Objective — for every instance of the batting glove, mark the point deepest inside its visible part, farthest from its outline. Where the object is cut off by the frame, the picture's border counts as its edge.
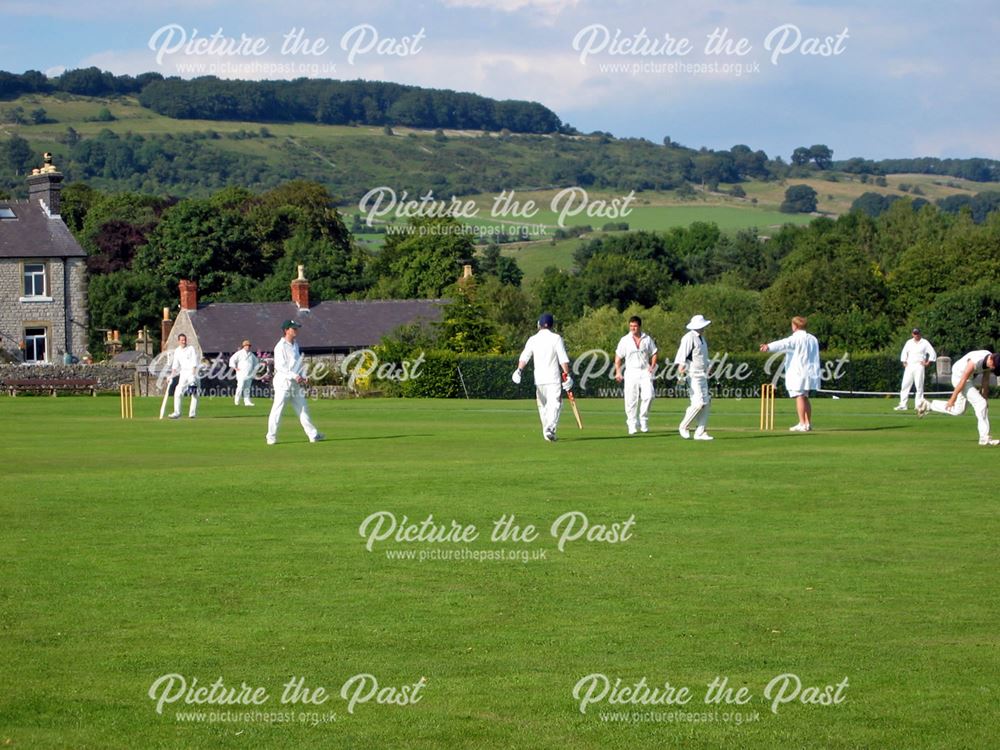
(568, 384)
(516, 377)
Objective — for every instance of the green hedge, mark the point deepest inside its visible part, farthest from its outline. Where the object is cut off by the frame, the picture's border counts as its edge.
(443, 374)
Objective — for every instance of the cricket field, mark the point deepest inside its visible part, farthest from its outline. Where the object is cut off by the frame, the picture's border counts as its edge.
(435, 575)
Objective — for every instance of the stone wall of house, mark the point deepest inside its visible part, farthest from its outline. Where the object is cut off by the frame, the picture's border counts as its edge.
(15, 315)
(78, 312)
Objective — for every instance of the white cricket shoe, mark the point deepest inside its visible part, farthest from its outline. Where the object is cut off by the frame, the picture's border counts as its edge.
(703, 436)
(989, 442)
(798, 428)
(922, 408)
(899, 408)
(684, 433)
(317, 438)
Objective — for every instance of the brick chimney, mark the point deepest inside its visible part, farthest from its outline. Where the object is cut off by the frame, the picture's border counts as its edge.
(300, 290)
(44, 187)
(189, 295)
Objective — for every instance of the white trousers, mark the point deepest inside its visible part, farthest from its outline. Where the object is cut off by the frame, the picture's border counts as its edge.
(549, 401)
(290, 393)
(969, 395)
(701, 403)
(182, 385)
(243, 390)
(913, 375)
(638, 397)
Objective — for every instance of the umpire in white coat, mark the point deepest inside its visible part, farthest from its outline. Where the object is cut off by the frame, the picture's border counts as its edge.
(289, 377)
(802, 369)
(245, 363)
(548, 351)
(637, 352)
(692, 362)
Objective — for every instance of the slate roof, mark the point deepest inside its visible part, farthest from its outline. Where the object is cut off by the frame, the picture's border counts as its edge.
(328, 325)
(34, 235)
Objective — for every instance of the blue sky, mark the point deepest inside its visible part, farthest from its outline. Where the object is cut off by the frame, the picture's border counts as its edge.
(897, 79)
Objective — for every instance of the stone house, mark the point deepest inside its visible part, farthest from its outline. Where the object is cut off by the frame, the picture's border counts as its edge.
(330, 329)
(43, 288)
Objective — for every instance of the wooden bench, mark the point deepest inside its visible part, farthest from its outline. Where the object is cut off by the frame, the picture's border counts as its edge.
(52, 386)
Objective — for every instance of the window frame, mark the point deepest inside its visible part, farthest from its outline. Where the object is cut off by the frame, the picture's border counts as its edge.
(46, 295)
(33, 337)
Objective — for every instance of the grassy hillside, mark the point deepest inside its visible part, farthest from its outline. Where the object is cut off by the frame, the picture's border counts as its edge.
(350, 161)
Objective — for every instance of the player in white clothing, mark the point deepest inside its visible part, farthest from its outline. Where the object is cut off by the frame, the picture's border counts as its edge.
(289, 377)
(916, 355)
(245, 363)
(977, 364)
(802, 369)
(692, 363)
(637, 351)
(184, 365)
(548, 351)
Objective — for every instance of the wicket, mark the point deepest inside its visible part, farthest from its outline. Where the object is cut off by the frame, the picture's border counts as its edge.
(767, 406)
(125, 397)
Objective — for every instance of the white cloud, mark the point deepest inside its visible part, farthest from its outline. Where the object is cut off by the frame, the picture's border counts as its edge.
(552, 7)
(905, 68)
(961, 142)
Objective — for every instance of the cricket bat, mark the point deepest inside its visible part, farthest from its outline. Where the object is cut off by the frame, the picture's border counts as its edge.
(572, 402)
(166, 395)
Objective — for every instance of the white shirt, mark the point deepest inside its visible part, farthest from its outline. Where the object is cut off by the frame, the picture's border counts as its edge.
(185, 362)
(287, 363)
(245, 363)
(549, 352)
(802, 366)
(636, 358)
(915, 352)
(692, 354)
(978, 357)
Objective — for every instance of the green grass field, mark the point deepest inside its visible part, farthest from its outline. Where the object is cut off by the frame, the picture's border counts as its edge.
(137, 549)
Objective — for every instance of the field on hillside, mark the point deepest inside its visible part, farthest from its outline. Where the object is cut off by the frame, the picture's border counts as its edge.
(844, 580)
(651, 211)
(353, 160)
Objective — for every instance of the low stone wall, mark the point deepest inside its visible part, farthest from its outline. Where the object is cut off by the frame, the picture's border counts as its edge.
(108, 376)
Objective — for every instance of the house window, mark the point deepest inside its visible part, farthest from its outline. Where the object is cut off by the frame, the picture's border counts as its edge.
(6, 213)
(35, 344)
(34, 279)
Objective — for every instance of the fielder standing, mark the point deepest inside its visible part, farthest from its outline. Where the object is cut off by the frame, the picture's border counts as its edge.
(802, 369)
(977, 364)
(692, 362)
(184, 366)
(638, 353)
(916, 355)
(245, 363)
(289, 377)
(551, 369)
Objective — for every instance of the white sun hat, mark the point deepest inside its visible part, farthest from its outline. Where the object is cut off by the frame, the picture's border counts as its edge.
(698, 322)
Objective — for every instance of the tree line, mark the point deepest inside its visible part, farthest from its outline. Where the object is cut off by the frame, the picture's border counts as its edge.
(863, 281)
